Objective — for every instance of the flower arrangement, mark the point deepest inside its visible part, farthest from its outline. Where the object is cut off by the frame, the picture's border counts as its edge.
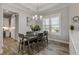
(35, 27)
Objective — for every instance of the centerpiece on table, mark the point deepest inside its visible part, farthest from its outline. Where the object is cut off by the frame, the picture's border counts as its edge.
(35, 27)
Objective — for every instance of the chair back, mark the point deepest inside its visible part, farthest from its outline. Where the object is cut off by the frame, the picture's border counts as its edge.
(21, 36)
(30, 33)
(40, 35)
(45, 33)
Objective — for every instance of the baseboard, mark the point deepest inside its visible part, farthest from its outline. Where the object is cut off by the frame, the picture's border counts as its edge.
(58, 40)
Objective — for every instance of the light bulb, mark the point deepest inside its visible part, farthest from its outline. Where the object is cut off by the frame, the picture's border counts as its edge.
(33, 17)
(41, 17)
(36, 16)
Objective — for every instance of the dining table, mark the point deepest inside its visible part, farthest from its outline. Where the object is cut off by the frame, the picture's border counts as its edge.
(28, 39)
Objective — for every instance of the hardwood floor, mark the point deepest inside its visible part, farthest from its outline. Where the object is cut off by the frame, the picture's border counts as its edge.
(54, 48)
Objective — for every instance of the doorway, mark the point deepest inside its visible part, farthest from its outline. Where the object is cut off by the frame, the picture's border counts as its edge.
(10, 24)
(10, 30)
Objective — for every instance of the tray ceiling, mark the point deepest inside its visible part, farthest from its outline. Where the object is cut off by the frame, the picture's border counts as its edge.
(38, 6)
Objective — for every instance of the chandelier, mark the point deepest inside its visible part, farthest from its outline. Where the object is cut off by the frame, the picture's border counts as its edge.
(37, 15)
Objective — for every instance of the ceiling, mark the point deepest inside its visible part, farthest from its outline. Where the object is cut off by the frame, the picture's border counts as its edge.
(37, 6)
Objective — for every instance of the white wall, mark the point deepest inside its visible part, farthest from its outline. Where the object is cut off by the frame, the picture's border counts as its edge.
(64, 36)
(1, 30)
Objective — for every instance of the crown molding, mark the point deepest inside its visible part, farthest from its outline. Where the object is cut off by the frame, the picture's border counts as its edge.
(17, 7)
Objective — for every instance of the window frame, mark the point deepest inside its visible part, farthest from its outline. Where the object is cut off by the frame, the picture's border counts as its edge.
(50, 26)
(44, 26)
(54, 15)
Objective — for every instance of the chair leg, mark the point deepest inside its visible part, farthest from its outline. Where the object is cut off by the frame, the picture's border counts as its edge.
(37, 46)
(47, 41)
(22, 48)
(29, 49)
(19, 47)
(44, 43)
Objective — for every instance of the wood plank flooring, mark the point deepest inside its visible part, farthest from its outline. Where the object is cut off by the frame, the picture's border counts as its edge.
(53, 48)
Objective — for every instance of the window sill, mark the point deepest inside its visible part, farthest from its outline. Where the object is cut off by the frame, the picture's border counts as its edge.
(55, 33)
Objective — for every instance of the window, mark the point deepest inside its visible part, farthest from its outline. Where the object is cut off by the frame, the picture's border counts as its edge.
(46, 24)
(55, 26)
(52, 24)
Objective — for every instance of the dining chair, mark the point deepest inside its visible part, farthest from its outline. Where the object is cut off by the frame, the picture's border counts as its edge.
(24, 43)
(31, 41)
(21, 37)
(45, 36)
(40, 41)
